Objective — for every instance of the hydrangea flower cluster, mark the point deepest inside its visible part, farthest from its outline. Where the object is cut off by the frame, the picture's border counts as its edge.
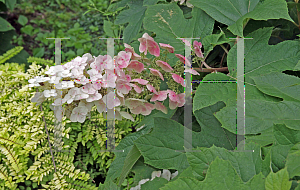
(166, 174)
(87, 78)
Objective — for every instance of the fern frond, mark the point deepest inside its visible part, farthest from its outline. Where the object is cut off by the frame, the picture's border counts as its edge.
(4, 140)
(11, 155)
(10, 53)
(41, 61)
(8, 179)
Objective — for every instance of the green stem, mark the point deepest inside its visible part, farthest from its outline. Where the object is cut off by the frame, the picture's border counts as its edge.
(224, 48)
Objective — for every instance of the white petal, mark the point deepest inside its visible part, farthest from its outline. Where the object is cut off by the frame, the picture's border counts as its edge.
(166, 174)
(73, 117)
(174, 174)
(155, 174)
(81, 118)
(127, 115)
(100, 106)
(143, 181)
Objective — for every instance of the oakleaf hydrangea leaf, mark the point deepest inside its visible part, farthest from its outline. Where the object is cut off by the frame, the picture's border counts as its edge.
(278, 181)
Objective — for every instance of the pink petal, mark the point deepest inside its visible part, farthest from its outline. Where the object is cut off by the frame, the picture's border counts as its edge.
(151, 88)
(133, 103)
(136, 88)
(145, 110)
(192, 71)
(198, 52)
(134, 55)
(127, 115)
(173, 96)
(162, 95)
(161, 107)
(181, 100)
(147, 37)
(156, 73)
(172, 104)
(165, 66)
(187, 43)
(118, 115)
(140, 81)
(123, 86)
(178, 79)
(143, 46)
(136, 65)
(199, 44)
(128, 78)
(167, 47)
(150, 106)
(183, 60)
(123, 59)
(137, 110)
(110, 100)
(153, 48)
(100, 106)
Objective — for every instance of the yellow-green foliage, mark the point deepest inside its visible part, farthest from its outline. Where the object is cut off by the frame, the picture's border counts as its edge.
(10, 53)
(24, 148)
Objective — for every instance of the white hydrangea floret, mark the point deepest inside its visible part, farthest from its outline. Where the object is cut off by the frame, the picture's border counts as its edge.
(49, 93)
(79, 114)
(36, 80)
(69, 98)
(65, 85)
(38, 98)
(54, 69)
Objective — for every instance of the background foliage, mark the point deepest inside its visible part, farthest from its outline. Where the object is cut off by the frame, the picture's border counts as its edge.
(271, 108)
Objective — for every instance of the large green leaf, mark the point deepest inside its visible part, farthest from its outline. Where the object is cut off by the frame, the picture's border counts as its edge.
(134, 15)
(131, 158)
(4, 25)
(209, 42)
(226, 11)
(247, 164)
(293, 164)
(162, 147)
(278, 181)
(264, 138)
(286, 136)
(107, 27)
(279, 154)
(11, 4)
(186, 183)
(262, 110)
(279, 84)
(168, 22)
(141, 171)
(269, 9)
(156, 183)
(261, 58)
(292, 161)
(126, 144)
(236, 13)
(261, 115)
(211, 128)
(220, 175)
